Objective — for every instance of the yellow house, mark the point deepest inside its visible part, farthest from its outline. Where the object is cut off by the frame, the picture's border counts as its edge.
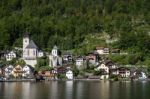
(17, 71)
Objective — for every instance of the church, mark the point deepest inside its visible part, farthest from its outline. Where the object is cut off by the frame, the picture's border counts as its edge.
(30, 50)
(55, 58)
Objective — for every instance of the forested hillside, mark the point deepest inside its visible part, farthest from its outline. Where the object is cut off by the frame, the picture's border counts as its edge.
(68, 23)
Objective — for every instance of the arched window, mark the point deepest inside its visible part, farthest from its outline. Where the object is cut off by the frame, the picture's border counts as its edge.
(34, 52)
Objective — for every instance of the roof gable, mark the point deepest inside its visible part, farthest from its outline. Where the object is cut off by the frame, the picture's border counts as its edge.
(32, 45)
(55, 47)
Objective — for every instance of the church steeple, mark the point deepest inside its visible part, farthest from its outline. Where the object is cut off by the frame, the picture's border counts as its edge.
(26, 40)
(55, 51)
(26, 34)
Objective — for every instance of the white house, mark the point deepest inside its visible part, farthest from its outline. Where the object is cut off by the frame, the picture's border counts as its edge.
(10, 55)
(123, 72)
(67, 57)
(69, 74)
(8, 71)
(112, 67)
(93, 58)
(40, 54)
(102, 50)
(30, 51)
(54, 58)
(27, 71)
(105, 71)
(80, 63)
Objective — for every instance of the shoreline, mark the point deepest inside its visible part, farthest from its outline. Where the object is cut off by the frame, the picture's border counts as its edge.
(34, 80)
(18, 80)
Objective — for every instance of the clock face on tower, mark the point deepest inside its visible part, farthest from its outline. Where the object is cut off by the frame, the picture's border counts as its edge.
(26, 41)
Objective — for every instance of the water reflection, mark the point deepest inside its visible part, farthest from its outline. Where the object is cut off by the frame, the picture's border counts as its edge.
(69, 90)
(104, 86)
(53, 90)
(75, 90)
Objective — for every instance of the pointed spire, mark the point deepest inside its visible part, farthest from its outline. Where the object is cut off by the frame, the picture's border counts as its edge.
(55, 47)
(26, 34)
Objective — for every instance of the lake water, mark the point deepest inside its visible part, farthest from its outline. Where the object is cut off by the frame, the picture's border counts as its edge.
(75, 90)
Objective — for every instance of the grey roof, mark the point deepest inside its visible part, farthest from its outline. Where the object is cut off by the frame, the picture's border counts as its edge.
(32, 45)
(55, 47)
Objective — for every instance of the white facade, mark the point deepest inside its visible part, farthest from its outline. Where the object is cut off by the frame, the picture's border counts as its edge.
(54, 58)
(69, 74)
(40, 54)
(80, 63)
(9, 56)
(103, 67)
(123, 72)
(54, 51)
(8, 71)
(27, 71)
(31, 62)
(126, 74)
(102, 51)
(30, 51)
(26, 41)
(104, 77)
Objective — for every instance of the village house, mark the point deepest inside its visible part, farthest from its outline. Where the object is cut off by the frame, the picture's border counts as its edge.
(102, 50)
(112, 67)
(92, 58)
(48, 74)
(10, 55)
(61, 70)
(55, 58)
(123, 72)
(104, 71)
(80, 63)
(8, 71)
(67, 57)
(54, 73)
(17, 71)
(28, 71)
(138, 73)
(69, 74)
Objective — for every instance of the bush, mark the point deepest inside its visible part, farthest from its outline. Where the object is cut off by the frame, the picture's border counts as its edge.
(75, 72)
(97, 72)
(61, 76)
(113, 76)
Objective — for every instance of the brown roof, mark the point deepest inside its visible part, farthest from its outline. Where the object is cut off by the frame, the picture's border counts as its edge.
(99, 48)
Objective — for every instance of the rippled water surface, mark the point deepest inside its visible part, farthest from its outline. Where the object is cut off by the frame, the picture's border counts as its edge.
(75, 90)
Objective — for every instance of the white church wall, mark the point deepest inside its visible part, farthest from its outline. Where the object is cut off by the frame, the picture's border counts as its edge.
(31, 62)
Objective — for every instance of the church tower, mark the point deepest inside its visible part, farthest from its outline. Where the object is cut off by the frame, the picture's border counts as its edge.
(55, 51)
(26, 42)
(54, 58)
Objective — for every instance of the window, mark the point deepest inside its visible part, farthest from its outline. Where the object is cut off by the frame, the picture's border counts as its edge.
(34, 53)
(28, 52)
